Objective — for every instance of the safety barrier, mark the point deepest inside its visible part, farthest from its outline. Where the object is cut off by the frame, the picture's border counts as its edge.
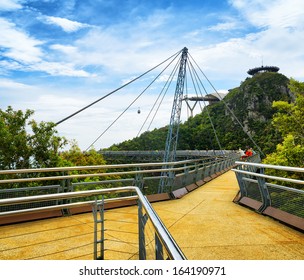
(31, 194)
(261, 188)
(165, 247)
(186, 175)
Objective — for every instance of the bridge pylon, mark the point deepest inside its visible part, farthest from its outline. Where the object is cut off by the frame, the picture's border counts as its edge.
(172, 136)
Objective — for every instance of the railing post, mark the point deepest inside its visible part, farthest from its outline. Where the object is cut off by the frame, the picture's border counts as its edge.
(66, 186)
(159, 252)
(239, 177)
(139, 180)
(98, 214)
(264, 191)
(217, 166)
(186, 175)
(197, 172)
(243, 190)
(220, 165)
(142, 220)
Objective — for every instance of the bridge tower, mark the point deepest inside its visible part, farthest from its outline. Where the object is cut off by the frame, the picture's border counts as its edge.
(172, 136)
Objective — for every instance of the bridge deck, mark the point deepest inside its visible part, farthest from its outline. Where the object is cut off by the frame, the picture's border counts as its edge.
(205, 223)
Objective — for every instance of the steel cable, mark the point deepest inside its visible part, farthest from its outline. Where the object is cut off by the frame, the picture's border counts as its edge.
(110, 93)
(131, 103)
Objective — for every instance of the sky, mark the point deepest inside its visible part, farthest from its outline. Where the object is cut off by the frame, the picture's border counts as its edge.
(58, 56)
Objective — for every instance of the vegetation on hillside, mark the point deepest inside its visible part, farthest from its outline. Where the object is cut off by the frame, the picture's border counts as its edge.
(277, 129)
(26, 144)
(251, 104)
(288, 120)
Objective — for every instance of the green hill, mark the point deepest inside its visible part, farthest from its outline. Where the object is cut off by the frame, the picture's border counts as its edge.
(251, 103)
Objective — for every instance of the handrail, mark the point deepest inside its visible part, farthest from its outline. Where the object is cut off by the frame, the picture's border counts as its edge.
(91, 167)
(63, 206)
(173, 249)
(262, 192)
(78, 176)
(274, 185)
(95, 167)
(269, 177)
(167, 240)
(48, 197)
(278, 167)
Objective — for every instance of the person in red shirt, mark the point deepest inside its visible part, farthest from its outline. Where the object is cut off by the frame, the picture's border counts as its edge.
(248, 152)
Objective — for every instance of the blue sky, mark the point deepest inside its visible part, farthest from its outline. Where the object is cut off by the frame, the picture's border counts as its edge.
(58, 56)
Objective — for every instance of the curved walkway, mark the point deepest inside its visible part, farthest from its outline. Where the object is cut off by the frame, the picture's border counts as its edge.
(206, 224)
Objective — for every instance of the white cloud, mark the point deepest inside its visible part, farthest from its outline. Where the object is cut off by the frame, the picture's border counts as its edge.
(66, 49)
(17, 44)
(136, 45)
(10, 65)
(8, 5)
(89, 124)
(276, 13)
(230, 60)
(60, 69)
(26, 53)
(66, 24)
(224, 26)
(13, 85)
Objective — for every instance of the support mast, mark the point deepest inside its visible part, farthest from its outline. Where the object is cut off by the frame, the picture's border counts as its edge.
(172, 136)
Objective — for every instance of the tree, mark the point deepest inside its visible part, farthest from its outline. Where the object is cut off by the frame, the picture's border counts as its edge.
(74, 156)
(289, 122)
(24, 143)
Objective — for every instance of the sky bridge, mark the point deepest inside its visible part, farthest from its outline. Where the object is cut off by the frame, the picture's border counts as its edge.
(195, 205)
(208, 219)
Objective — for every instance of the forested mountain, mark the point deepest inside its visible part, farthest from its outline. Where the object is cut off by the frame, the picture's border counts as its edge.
(250, 103)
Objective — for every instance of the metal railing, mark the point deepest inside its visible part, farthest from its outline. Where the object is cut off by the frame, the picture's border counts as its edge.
(64, 189)
(160, 153)
(165, 246)
(146, 176)
(274, 190)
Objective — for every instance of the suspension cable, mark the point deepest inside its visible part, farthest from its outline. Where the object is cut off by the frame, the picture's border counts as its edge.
(110, 93)
(207, 110)
(166, 86)
(165, 93)
(131, 103)
(232, 113)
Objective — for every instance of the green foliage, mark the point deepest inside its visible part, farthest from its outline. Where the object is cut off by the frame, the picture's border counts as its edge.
(149, 140)
(25, 143)
(287, 153)
(75, 157)
(288, 120)
(251, 103)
